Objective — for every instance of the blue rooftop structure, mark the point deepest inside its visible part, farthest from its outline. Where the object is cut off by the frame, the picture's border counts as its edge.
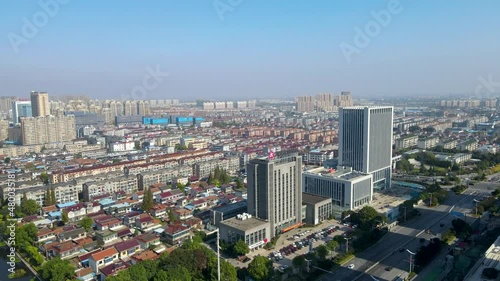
(56, 214)
(159, 230)
(121, 205)
(64, 205)
(107, 201)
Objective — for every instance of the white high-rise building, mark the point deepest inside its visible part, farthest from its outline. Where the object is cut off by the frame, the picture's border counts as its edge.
(365, 141)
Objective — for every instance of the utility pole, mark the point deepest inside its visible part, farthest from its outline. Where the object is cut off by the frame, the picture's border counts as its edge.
(347, 244)
(405, 212)
(430, 201)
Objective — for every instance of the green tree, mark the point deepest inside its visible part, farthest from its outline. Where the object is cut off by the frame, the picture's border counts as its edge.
(26, 234)
(64, 217)
(181, 187)
(367, 215)
(322, 251)
(44, 177)
(260, 268)
(175, 273)
(86, 223)
(210, 178)
(57, 270)
(138, 272)
(47, 201)
(239, 184)
(147, 201)
(241, 248)
(29, 207)
(332, 245)
(53, 200)
(299, 262)
(6, 160)
(171, 216)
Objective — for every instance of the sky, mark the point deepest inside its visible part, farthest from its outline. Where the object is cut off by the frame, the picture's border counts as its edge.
(242, 49)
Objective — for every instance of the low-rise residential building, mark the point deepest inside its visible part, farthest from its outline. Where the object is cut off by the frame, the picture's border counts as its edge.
(103, 258)
(175, 234)
(406, 142)
(427, 143)
(147, 240)
(127, 248)
(470, 145)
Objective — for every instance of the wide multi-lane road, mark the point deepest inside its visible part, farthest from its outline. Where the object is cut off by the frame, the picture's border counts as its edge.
(376, 260)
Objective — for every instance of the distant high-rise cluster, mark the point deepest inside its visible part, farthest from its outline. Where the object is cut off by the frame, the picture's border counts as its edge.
(324, 102)
(208, 105)
(491, 103)
(47, 129)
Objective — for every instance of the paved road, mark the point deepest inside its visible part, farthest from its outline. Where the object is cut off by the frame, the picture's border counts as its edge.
(398, 238)
(400, 261)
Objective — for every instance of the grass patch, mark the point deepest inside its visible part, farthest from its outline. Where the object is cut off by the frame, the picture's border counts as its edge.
(340, 259)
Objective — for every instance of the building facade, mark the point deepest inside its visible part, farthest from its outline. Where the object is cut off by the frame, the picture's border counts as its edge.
(274, 187)
(365, 141)
(47, 129)
(40, 104)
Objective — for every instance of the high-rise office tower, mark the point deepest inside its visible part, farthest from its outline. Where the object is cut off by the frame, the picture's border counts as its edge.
(21, 109)
(306, 104)
(275, 190)
(40, 104)
(365, 141)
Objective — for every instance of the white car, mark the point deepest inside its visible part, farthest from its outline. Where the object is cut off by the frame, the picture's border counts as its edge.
(351, 266)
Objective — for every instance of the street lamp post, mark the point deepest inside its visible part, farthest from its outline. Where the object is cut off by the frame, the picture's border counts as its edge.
(411, 260)
(405, 212)
(475, 201)
(218, 256)
(347, 244)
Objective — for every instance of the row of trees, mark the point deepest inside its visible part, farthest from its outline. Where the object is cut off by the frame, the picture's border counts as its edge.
(50, 197)
(434, 195)
(219, 176)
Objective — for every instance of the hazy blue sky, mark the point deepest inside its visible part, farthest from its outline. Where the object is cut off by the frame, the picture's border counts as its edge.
(256, 49)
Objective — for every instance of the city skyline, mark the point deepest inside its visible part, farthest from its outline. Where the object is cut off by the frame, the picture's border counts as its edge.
(250, 50)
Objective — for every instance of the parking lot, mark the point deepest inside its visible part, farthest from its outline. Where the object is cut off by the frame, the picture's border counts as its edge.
(299, 242)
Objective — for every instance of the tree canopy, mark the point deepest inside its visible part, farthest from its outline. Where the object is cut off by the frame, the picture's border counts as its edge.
(260, 268)
(57, 270)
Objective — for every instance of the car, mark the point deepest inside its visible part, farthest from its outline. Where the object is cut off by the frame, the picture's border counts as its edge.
(389, 268)
(283, 267)
(351, 266)
(441, 225)
(401, 250)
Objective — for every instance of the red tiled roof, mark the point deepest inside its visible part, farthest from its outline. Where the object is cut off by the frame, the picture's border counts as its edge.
(104, 253)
